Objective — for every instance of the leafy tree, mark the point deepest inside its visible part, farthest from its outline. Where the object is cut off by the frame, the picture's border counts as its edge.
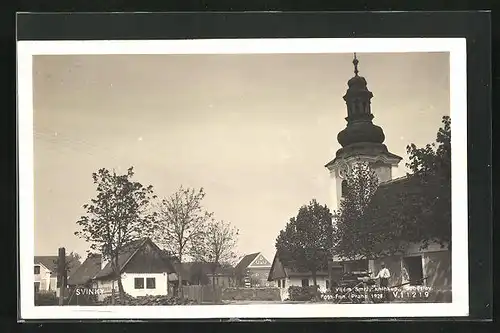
(119, 214)
(307, 239)
(182, 224)
(350, 233)
(72, 261)
(413, 210)
(218, 246)
(431, 166)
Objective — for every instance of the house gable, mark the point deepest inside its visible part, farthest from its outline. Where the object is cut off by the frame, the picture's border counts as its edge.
(244, 262)
(43, 269)
(277, 270)
(149, 256)
(50, 264)
(260, 262)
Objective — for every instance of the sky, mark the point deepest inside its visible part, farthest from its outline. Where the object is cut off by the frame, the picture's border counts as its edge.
(255, 131)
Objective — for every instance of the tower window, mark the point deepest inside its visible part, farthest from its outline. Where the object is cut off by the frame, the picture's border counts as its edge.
(344, 187)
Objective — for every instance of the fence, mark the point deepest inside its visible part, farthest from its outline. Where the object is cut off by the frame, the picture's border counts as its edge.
(203, 294)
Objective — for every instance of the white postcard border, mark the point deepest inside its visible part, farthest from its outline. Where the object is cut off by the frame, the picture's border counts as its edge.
(458, 112)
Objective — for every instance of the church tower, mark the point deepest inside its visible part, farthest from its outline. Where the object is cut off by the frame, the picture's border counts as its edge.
(361, 140)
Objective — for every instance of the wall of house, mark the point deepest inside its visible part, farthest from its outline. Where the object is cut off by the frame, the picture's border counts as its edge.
(161, 284)
(297, 281)
(259, 275)
(43, 278)
(106, 286)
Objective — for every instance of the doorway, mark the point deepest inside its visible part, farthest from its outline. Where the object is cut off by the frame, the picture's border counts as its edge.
(415, 270)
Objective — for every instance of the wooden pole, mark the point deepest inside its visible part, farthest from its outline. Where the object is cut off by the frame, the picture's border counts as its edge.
(61, 276)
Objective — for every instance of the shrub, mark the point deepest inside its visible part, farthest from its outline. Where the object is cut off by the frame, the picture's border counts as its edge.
(147, 300)
(46, 298)
(304, 294)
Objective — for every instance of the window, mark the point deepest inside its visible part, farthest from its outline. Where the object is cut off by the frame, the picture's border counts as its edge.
(343, 188)
(283, 283)
(327, 284)
(151, 283)
(37, 286)
(305, 282)
(37, 269)
(139, 283)
(279, 283)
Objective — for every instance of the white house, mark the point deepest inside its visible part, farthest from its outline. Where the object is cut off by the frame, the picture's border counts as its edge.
(45, 273)
(45, 280)
(284, 274)
(144, 271)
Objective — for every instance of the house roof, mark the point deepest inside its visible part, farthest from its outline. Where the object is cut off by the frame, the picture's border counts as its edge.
(245, 262)
(87, 270)
(50, 262)
(291, 268)
(128, 253)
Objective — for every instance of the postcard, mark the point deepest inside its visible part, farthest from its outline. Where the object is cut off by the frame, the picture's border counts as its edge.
(243, 178)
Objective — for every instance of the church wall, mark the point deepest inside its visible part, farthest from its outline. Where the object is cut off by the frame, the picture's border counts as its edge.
(383, 172)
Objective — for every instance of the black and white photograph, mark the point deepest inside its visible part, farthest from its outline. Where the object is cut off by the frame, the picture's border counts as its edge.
(243, 178)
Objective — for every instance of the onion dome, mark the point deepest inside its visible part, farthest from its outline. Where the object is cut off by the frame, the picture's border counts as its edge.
(359, 117)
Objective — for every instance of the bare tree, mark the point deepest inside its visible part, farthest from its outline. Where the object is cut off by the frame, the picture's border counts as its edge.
(119, 215)
(218, 246)
(182, 224)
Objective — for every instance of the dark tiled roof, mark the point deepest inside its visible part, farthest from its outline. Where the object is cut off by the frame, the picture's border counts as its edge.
(123, 258)
(87, 271)
(129, 251)
(51, 263)
(245, 262)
